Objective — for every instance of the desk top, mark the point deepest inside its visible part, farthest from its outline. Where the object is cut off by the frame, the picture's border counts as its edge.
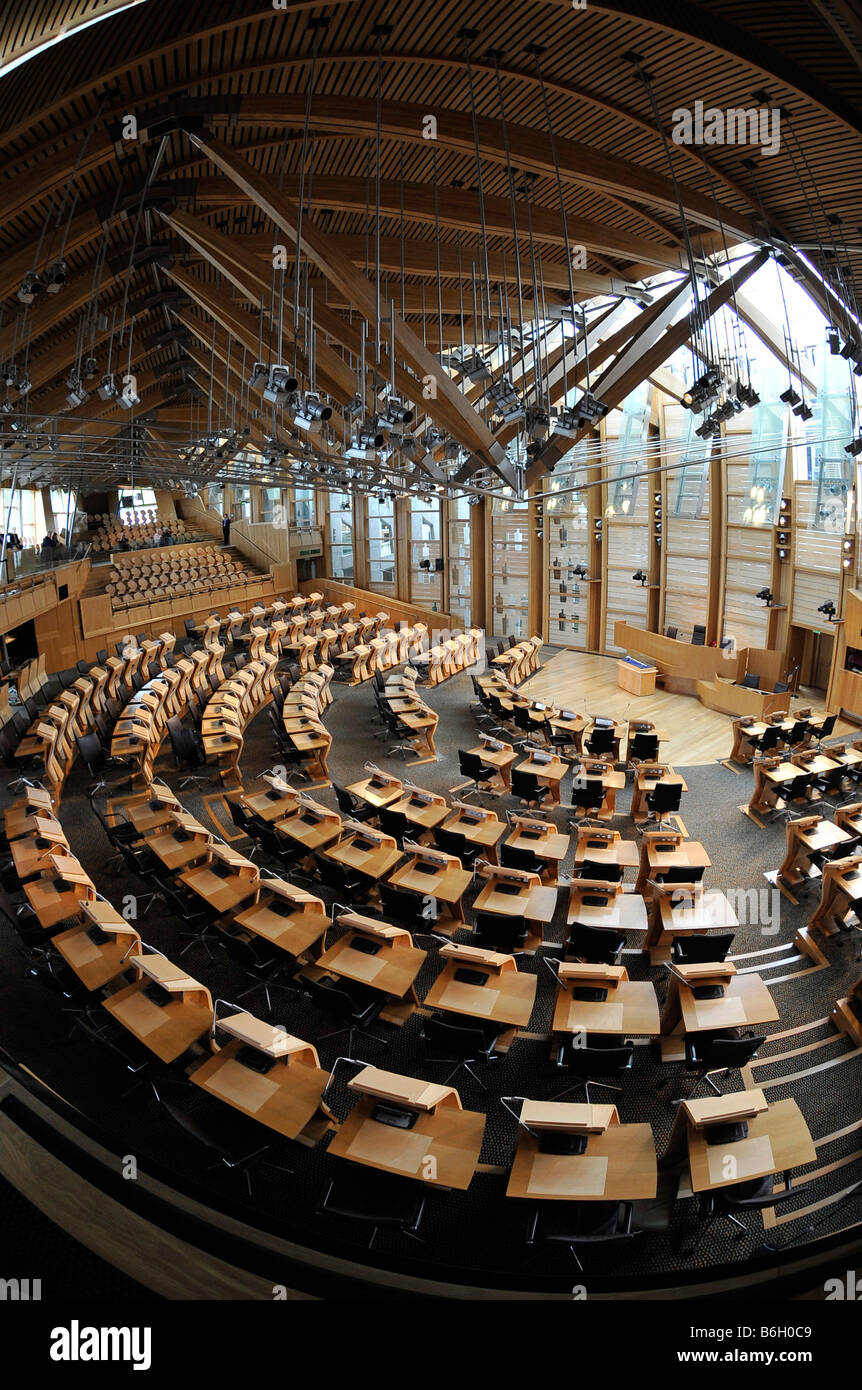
(630, 1009)
(446, 881)
(392, 969)
(449, 1136)
(377, 789)
(618, 1165)
(169, 1030)
(222, 894)
(536, 902)
(285, 1098)
(375, 862)
(554, 770)
(746, 1000)
(778, 1139)
(507, 997)
(484, 828)
(421, 808)
(624, 911)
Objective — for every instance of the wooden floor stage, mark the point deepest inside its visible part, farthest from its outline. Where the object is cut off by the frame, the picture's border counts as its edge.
(588, 683)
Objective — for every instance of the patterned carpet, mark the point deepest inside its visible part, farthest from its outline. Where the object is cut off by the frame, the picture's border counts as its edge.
(479, 1231)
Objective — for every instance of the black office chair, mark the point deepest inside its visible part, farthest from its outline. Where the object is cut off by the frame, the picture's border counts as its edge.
(700, 950)
(525, 724)
(594, 945)
(740, 1197)
(470, 765)
(405, 909)
(495, 931)
(393, 823)
(797, 734)
(188, 751)
(528, 789)
(768, 741)
(643, 748)
(795, 795)
(244, 820)
(481, 710)
(698, 635)
(709, 1054)
(260, 961)
(580, 1224)
(381, 1200)
(238, 1142)
(750, 681)
(356, 1005)
(462, 1040)
(397, 734)
(347, 883)
(603, 1056)
(503, 717)
(821, 731)
(513, 857)
(588, 794)
(351, 806)
(661, 802)
(671, 632)
(600, 741)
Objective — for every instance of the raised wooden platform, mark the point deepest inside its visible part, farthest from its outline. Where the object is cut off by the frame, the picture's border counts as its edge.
(588, 683)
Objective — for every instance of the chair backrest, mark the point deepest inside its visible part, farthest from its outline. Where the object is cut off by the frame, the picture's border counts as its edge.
(711, 1050)
(599, 873)
(670, 632)
(770, 738)
(588, 795)
(460, 1039)
(644, 747)
(600, 741)
(471, 765)
(513, 857)
(828, 725)
(500, 933)
(399, 905)
(393, 822)
(698, 635)
(596, 1061)
(526, 785)
(347, 802)
(666, 796)
(449, 841)
(751, 681)
(797, 787)
(328, 995)
(595, 945)
(697, 950)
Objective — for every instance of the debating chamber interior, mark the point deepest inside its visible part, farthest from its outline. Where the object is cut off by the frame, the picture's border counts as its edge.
(430, 650)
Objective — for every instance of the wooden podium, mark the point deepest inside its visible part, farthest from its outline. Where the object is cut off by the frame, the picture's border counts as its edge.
(637, 680)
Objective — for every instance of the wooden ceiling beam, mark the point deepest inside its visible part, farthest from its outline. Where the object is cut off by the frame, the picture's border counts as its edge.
(526, 147)
(449, 407)
(648, 350)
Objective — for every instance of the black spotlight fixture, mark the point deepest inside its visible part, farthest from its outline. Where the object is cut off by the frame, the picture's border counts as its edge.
(854, 448)
(829, 610)
(790, 397)
(640, 577)
(834, 341)
(767, 597)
